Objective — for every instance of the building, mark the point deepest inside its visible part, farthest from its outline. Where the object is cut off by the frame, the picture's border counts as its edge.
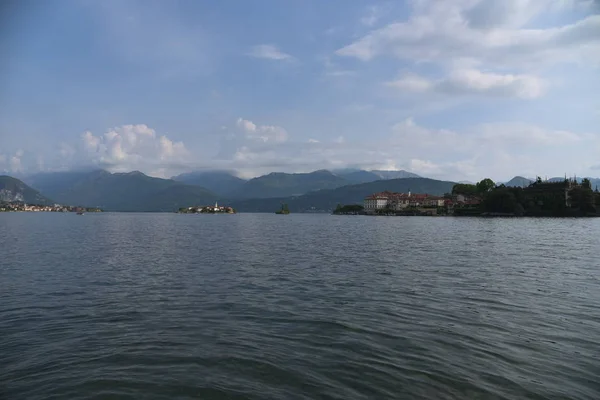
(399, 201)
(377, 201)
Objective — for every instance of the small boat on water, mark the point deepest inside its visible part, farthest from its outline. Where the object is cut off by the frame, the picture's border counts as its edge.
(80, 213)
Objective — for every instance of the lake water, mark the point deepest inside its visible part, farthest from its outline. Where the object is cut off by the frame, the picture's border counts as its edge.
(261, 306)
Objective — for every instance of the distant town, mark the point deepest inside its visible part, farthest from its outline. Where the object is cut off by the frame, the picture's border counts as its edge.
(23, 207)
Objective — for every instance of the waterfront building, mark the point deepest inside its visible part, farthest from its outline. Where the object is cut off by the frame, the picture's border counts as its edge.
(400, 201)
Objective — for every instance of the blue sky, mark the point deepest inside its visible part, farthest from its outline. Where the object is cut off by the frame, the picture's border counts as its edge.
(459, 89)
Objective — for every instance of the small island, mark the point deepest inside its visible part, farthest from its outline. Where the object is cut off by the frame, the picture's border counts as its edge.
(284, 210)
(216, 209)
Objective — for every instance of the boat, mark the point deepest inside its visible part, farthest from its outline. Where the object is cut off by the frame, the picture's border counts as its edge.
(284, 209)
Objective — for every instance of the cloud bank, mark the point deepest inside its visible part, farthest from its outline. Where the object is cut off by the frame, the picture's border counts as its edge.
(498, 150)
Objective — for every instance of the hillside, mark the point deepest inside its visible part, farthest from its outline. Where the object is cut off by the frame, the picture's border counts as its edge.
(518, 181)
(279, 184)
(13, 190)
(359, 176)
(221, 183)
(131, 191)
(362, 176)
(394, 174)
(327, 200)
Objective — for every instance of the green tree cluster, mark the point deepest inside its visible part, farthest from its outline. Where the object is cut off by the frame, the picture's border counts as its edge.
(348, 209)
(539, 199)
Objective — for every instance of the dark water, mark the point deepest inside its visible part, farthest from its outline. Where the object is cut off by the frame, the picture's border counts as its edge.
(165, 306)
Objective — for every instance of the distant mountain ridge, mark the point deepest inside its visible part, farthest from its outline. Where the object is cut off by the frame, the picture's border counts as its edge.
(400, 174)
(132, 191)
(519, 181)
(327, 200)
(222, 183)
(15, 190)
(135, 191)
(281, 184)
(363, 176)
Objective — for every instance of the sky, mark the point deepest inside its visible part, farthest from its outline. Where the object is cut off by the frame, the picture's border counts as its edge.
(448, 89)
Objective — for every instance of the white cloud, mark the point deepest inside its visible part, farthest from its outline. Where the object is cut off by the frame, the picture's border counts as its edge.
(486, 32)
(127, 148)
(246, 125)
(472, 81)
(497, 150)
(264, 133)
(269, 52)
(12, 163)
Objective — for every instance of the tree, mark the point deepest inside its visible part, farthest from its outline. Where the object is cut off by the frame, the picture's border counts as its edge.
(501, 201)
(464, 188)
(586, 184)
(485, 185)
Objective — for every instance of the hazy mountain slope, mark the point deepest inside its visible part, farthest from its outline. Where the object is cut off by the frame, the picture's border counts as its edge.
(131, 191)
(519, 181)
(57, 185)
(279, 184)
(360, 176)
(13, 190)
(394, 174)
(221, 183)
(351, 194)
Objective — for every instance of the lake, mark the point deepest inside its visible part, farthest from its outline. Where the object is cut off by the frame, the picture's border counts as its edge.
(264, 306)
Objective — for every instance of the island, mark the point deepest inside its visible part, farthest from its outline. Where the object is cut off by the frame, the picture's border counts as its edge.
(216, 209)
(541, 198)
(284, 210)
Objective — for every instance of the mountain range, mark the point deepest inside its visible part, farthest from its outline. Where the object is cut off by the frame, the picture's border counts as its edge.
(328, 199)
(134, 191)
(222, 183)
(280, 184)
(519, 181)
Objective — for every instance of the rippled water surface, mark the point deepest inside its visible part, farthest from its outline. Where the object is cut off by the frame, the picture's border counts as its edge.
(251, 306)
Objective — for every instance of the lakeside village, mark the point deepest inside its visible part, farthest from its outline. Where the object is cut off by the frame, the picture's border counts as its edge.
(23, 207)
(216, 209)
(568, 198)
